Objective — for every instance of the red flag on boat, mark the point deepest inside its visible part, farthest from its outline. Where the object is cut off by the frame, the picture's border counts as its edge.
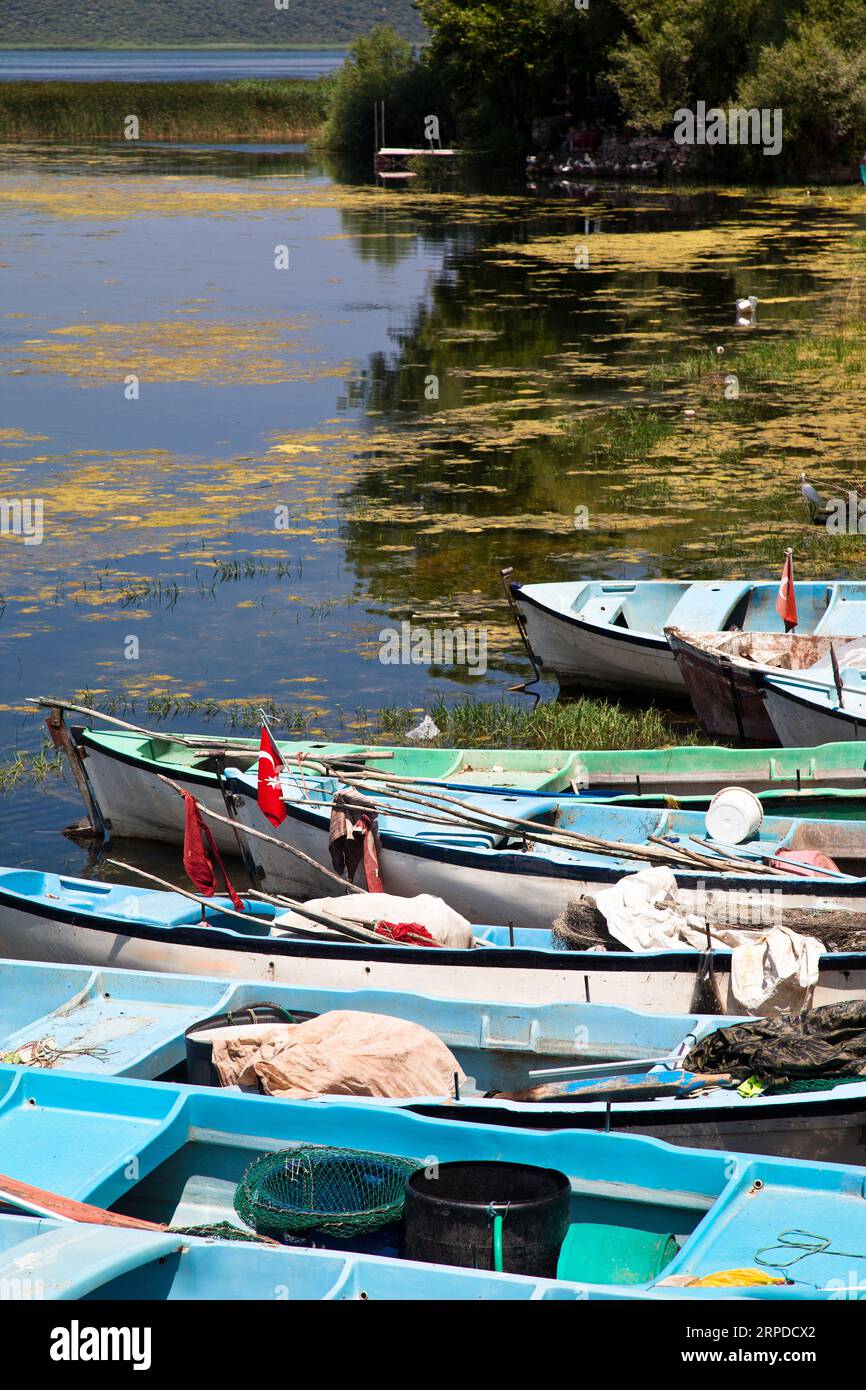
(270, 792)
(197, 859)
(786, 601)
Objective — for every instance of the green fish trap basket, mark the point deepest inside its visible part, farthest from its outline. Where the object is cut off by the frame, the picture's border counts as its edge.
(340, 1192)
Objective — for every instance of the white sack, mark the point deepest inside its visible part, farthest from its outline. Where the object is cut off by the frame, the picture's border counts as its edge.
(444, 924)
(771, 970)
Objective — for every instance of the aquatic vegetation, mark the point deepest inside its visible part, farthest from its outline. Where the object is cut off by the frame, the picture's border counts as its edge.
(30, 768)
(210, 111)
(585, 723)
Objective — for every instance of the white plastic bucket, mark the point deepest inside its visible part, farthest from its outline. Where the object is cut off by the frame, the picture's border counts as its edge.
(734, 815)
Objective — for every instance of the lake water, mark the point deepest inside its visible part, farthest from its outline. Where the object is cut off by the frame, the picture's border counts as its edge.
(319, 453)
(164, 65)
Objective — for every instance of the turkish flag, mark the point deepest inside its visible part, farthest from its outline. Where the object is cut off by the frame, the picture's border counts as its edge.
(786, 601)
(270, 794)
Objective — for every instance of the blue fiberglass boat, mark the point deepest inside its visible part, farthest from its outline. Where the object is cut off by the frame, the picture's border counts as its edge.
(621, 1069)
(610, 634)
(134, 1023)
(176, 1156)
(79, 921)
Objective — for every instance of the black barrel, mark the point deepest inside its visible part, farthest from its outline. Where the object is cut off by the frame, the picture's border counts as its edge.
(200, 1070)
(449, 1216)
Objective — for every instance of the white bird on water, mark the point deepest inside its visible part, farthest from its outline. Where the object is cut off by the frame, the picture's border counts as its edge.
(747, 311)
(813, 499)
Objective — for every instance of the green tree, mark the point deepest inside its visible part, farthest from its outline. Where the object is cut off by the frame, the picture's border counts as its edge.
(382, 66)
(504, 60)
(821, 91)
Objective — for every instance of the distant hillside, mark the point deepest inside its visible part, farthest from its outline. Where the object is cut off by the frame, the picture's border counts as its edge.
(148, 23)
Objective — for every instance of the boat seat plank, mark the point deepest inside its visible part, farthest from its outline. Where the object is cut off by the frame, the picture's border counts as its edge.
(705, 607)
(71, 1260)
(843, 618)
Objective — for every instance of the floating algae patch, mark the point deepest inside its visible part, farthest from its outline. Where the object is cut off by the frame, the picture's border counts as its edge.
(207, 352)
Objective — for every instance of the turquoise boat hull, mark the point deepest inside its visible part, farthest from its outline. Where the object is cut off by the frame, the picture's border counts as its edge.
(134, 1024)
(174, 1156)
(609, 635)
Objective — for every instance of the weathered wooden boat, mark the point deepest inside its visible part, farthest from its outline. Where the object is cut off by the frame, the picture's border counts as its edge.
(176, 1156)
(621, 1068)
(490, 868)
(722, 672)
(123, 772)
(610, 634)
(72, 921)
(804, 707)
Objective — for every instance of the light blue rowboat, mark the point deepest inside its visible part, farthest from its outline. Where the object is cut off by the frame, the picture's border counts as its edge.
(622, 1068)
(55, 1260)
(76, 921)
(610, 634)
(131, 1023)
(175, 1155)
(489, 872)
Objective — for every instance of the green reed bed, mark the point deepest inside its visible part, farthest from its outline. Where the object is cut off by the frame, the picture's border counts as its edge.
(621, 436)
(206, 111)
(585, 723)
(24, 768)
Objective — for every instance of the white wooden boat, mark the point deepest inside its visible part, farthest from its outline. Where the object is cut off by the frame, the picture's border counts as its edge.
(71, 921)
(493, 875)
(610, 635)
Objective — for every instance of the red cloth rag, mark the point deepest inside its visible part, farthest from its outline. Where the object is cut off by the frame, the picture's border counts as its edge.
(195, 857)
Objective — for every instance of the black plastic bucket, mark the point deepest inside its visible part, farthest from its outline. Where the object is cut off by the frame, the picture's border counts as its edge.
(450, 1216)
(200, 1069)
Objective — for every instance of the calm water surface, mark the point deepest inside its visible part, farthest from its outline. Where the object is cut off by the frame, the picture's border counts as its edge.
(164, 65)
(320, 452)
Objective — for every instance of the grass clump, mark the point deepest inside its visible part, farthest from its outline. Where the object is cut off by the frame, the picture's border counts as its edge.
(585, 723)
(25, 768)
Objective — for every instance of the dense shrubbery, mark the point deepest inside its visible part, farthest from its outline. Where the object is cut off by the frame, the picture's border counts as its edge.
(505, 61)
(382, 66)
(821, 90)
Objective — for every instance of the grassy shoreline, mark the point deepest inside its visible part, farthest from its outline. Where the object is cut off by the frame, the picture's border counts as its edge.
(248, 109)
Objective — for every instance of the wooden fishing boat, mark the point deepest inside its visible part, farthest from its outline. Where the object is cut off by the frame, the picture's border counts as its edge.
(722, 672)
(801, 706)
(123, 773)
(122, 768)
(611, 635)
(618, 1069)
(487, 865)
(176, 1156)
(70, 921)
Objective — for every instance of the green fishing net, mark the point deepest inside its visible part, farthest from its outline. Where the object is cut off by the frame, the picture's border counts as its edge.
(339, 1192)
(218, 1230)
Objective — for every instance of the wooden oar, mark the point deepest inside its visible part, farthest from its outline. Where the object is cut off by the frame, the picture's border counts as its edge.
(333, 926)
(38, 1201)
